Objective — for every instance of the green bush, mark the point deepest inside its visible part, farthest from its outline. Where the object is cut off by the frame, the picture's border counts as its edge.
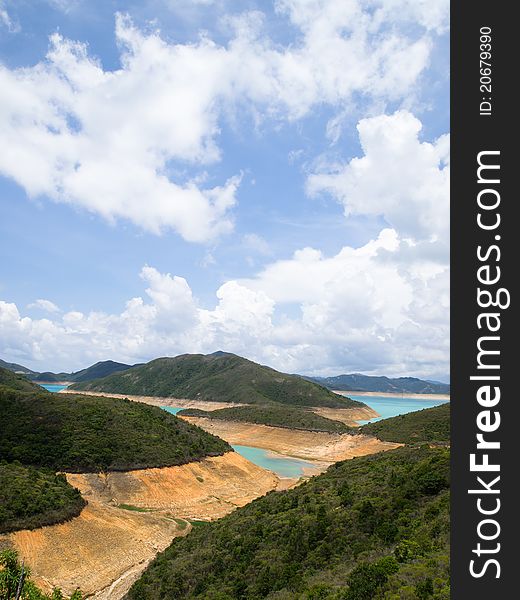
(31, 497)
(430, 425)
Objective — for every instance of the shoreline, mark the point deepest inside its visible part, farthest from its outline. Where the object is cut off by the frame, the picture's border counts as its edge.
(159, 401)
(393, 395)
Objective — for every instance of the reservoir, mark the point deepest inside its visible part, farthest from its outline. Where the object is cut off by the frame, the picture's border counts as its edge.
(281, 465)
(394, 405)
(52, 387)
(171, 409)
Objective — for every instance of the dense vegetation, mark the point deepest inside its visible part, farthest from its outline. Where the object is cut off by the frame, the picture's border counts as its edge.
(84, 433)
(375, 527)
(13, 575)
(276, 415)
(219, 377)
(431, 425)
(368, 383)
(16, 381)
(31, 497)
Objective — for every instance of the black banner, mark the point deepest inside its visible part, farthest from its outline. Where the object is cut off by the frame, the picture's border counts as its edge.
(483, 314)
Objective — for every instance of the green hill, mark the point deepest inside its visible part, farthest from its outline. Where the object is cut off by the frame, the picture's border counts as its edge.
(84, 433)
(275, 415)
(31, 498)
(100, 369)
(430, 425)
(219, 377)
(17, 382)
(371, 528)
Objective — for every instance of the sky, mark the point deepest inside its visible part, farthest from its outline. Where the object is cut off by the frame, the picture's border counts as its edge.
(264, 178)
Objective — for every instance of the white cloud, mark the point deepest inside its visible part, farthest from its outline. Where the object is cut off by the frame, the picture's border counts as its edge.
(6, 20)
(256, 243)
(382, 307)
(355, 312)
(399, 177)
(45, 305)
(105, 141)
(102, 140)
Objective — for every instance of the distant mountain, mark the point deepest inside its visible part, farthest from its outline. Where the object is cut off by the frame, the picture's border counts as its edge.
(16, 368)
(221, 377)
(367, 383)
(100, 369)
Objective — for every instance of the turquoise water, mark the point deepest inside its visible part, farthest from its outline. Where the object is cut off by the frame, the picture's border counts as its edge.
(395, 405)
(285, 467)
(52, 387)
(171, 409)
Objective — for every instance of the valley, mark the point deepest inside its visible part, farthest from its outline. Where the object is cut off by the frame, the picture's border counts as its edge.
(132, 515)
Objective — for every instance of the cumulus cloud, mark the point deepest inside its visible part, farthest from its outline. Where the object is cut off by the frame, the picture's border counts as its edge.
(107, 141)
(354, 312)
(399, 177)
(382, 307)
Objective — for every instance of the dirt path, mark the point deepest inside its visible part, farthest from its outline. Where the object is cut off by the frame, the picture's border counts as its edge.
(105, 548)
(308, 445)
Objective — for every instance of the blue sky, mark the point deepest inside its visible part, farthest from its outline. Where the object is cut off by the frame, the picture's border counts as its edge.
(193, 176)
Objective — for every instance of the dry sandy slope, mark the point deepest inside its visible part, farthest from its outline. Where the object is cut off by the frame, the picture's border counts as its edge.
(313, 446)
(160, 401)
(349, 416)
(105, 548)
(202, 490)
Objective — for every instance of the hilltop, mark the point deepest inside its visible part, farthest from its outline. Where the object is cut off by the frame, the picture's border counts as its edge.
(100, 369)
(221, 377)
(84, 433)
(356, 382)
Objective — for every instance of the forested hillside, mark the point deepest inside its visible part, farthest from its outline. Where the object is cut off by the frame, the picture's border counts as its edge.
(32, 497)
(375, 527)
(431, 425)
(85, 433)
(275, 415)
(219, 377)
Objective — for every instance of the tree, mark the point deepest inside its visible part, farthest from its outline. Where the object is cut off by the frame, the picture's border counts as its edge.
(11, 575)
